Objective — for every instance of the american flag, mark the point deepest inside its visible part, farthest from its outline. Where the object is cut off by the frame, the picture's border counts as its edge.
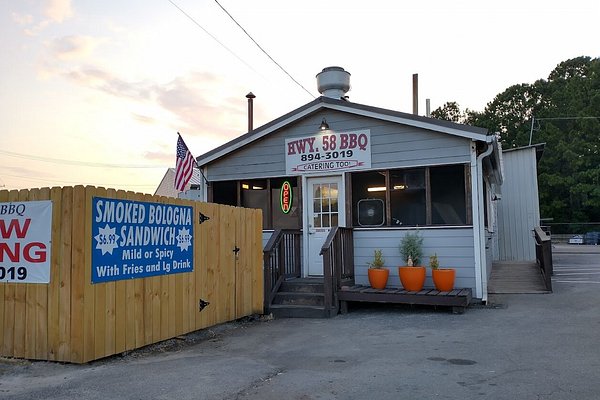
(184, 165)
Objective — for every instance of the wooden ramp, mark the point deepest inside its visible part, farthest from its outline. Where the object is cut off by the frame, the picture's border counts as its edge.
(516, 277)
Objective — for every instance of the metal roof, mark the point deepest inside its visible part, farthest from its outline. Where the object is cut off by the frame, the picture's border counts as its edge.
(539, 149)
(322, 102)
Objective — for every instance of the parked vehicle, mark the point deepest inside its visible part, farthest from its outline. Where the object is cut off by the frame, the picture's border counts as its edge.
(577, 239)
(591, 238)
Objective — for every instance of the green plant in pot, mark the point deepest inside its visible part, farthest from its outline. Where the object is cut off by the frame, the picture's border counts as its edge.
(412, 275)
(443, 278)
(378, 274)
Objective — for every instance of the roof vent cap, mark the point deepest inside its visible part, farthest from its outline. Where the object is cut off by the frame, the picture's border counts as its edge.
(333, 82)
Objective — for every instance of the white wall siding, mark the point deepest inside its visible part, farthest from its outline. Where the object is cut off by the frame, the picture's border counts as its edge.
(454, 248)
(392, 146)
(518, 211)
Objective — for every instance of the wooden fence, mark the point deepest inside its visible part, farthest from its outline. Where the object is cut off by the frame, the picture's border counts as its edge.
(72, 320)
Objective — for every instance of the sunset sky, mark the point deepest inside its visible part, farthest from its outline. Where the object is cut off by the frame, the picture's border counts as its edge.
(94, 92)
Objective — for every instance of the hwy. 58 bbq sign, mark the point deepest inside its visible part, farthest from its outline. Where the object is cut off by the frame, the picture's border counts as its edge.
(328, 151)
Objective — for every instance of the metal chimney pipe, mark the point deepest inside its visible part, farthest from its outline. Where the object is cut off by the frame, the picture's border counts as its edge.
(427, 107)
(415, 94)
(250, 96)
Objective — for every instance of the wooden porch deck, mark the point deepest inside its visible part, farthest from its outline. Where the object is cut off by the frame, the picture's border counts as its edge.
(458, 299)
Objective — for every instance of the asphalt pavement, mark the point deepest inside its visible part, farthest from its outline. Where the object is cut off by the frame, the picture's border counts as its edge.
(534, 346)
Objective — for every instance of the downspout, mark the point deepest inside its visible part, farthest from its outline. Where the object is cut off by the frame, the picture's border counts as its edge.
(481, 227)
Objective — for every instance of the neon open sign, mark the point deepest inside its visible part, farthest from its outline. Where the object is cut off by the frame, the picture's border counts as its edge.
(285, 197)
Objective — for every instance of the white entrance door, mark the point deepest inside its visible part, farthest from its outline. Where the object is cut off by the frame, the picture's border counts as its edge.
(325, 209)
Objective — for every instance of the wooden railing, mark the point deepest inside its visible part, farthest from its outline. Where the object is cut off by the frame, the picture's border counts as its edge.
(338, 264)
(282, 260)
(543, 253)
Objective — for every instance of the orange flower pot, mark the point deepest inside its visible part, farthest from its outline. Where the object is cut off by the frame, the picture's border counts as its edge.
(443, 279)
(412, 278)
(378, 277)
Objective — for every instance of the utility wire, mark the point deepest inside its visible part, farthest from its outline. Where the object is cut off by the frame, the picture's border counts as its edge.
(263, 50)
(538, 127)
(74, 162)
(549, 118)
(212, 36)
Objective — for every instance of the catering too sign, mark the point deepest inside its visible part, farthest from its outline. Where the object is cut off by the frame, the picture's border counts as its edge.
(328, 151)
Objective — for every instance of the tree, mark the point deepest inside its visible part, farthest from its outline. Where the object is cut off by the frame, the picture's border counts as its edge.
(571, 166)
(566, 108)
(449, 112)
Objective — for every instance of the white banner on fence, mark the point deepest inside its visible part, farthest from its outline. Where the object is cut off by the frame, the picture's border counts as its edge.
(328, 151)
(26, 233)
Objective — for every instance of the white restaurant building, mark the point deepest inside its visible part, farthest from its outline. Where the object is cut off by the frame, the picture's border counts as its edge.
(382, 172)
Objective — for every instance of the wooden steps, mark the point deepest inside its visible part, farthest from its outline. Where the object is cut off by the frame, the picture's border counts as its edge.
(301, 298)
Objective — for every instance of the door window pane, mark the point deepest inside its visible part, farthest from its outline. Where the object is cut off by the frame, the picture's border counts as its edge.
(317, 205)
(317, 221)
(333, 190)
(316, 191)
(334, 204)
(334, 219)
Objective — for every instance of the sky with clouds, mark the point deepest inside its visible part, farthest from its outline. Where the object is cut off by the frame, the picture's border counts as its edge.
(94, 92)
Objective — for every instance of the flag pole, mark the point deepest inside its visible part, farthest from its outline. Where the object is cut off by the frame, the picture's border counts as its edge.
(195, 161)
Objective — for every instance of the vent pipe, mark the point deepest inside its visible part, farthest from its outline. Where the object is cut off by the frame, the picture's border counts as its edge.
(416, 94)
(333, 82)
(427, 107)
(250, 96)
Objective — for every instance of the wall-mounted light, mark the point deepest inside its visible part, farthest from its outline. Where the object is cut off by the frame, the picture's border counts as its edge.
(376, 189)
(324, 125)
(245, 186)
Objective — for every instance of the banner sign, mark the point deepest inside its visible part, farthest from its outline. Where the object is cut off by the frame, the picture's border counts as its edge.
(134, 239)
(26, 233)
(329, 151)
